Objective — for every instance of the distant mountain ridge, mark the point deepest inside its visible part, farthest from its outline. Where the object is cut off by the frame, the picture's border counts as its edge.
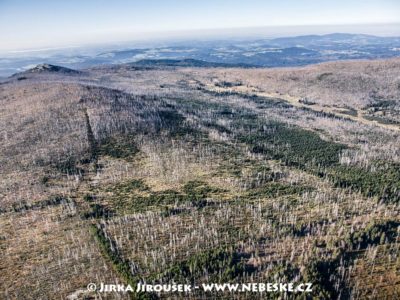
(257, 52)
(188, 62)
(337, 38)
(144, 63)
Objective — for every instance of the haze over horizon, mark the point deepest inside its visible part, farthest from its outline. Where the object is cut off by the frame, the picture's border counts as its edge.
(99, 22)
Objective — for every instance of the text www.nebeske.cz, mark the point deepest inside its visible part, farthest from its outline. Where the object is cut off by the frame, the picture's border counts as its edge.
(210, 287)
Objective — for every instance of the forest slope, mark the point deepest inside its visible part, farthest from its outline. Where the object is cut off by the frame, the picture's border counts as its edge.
(201, 175)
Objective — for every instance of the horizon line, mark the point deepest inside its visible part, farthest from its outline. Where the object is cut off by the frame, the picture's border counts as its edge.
(211, 34)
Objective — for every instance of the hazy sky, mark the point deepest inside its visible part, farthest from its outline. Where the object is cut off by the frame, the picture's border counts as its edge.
(52, 23)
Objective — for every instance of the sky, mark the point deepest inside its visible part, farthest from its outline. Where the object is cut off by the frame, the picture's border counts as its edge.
(30, 24)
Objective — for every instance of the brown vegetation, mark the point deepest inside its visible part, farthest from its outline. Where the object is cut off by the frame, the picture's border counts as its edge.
(201, 175)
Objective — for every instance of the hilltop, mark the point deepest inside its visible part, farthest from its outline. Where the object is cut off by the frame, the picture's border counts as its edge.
(48, 69)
